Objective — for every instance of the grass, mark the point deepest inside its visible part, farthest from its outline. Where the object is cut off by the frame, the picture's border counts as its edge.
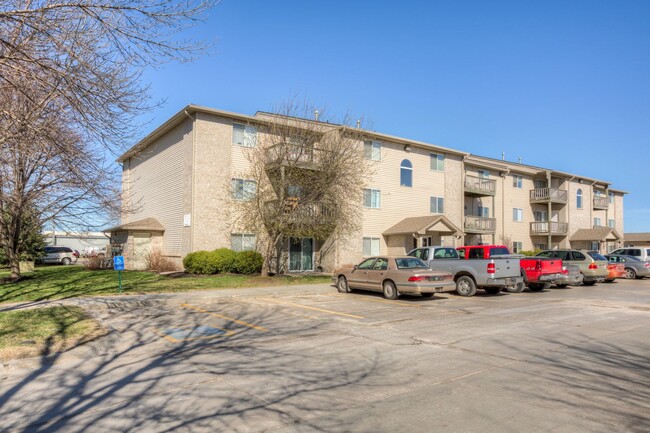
(43, 331)
(59, 282)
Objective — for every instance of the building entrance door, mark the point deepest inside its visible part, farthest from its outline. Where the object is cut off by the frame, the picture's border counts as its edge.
(301, 254)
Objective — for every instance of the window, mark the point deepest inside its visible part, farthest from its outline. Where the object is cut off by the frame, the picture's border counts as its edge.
(517, 214)
(579, 199)
(539, 246)
(370, 246)
(517, 181)
(540, 183)
(242, 242)
(406, 173)
(437, 162)
(437, 204)
(372, 198)
(611, 197)
(540, 215)
(381, 264)
(244, 135)
(243, 189)
(294, 191)
(611, 224)
(595, 246)
(596, 222)
(366, 264)
(484, 212)
(372, 150)
(483, 174)
(517, 247)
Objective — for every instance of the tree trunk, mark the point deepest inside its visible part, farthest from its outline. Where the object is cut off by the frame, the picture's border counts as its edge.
(14, 260)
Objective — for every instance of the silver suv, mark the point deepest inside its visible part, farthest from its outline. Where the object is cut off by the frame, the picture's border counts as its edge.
(641, 253)
(59, 255)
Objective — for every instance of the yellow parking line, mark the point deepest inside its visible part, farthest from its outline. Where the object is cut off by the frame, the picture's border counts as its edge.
(250, 325)
(354, 316)
(383, 301)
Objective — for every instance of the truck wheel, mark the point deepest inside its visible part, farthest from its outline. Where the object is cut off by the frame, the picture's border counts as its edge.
(538, 287)
(342, 285)
(390, 291)
(465, 286)
(517, 289)
(492, 290)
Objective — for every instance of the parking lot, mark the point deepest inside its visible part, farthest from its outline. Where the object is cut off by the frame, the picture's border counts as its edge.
(310, 359)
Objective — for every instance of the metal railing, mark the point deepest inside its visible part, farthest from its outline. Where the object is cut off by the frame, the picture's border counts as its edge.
(480, 224)
(555, 195)
(548, 227)
(288, 153)
(600, 202)
(480, 185)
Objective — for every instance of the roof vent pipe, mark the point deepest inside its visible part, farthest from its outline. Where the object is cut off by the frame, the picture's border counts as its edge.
(359, 123)
(316, 115)
(503, 156)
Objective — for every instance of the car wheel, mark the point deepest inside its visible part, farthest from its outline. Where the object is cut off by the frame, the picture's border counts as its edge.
(342, 285)
(390, 291)
(629, 273)
(538, 287)
(66, 261)
(492, 290)
(427, 295)
(589, 283)
(465, 286)
(561, 286)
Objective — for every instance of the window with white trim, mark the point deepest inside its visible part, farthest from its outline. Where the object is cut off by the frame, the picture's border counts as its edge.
(243, 189)
(611, 197)
(372, 198)
(517, 181)
(517, 215)
(370, 246)
(596, 222)
(517, 247)
(372, 150)
(483, 174)
(611, 224)
(484, 211)
(406, 173)
(437, 204)
(244, 135)
(437, 162)
(579, 199)
(242, 241)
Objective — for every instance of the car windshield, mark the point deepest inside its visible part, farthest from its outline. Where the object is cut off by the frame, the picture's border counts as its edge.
(410, 263)
(596, 256)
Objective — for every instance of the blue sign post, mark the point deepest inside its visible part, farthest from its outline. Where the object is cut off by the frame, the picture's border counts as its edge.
(118, 265)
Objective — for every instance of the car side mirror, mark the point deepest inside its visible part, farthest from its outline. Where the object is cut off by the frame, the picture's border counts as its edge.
(354, 268)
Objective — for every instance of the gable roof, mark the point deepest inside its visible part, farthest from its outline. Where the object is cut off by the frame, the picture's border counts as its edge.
(147, 224)
(596, 234)
(422, 225)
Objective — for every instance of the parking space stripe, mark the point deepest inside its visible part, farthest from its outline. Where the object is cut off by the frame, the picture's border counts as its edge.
(240, 322)
(382, 301)
(354, 316)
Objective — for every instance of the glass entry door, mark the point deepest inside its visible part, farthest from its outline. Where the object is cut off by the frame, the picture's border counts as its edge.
(301, 254)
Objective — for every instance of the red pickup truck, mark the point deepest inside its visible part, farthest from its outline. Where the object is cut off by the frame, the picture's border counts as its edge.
(538, 272)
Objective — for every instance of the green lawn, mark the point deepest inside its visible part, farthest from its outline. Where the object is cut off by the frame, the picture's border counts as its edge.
(43, 331)
(57, 282)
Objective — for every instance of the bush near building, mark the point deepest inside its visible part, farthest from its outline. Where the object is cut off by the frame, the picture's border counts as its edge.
(223, 260)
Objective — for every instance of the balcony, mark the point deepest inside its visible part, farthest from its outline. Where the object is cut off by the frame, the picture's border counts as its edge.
(291, 154)
(546, 195)
(480, 186)
(299, 217)
(479, 225)
(544, 228)
(600, 203)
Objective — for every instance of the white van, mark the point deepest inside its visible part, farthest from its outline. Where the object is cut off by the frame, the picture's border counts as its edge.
(641, 253)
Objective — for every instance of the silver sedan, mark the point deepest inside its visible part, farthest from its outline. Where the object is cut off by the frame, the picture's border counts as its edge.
(634, 268)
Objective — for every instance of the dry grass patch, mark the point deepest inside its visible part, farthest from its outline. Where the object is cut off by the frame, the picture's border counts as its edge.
(43, 331)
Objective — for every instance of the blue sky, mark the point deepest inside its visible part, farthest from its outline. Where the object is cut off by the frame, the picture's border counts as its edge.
(561, 84)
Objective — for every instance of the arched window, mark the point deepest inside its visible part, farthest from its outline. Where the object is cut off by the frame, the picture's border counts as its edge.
(406, 173)
(579, 199)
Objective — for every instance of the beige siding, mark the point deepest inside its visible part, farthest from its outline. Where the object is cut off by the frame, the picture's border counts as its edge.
(156, 184)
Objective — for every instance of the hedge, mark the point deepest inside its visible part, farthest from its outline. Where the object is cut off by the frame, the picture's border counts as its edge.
(223, 260)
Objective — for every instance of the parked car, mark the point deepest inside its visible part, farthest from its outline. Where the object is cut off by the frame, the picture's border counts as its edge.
(633, 267)
(593, 269)
(58, 254)
(491, 275)
(393, 275)
(539, 273)
(75, 253)
(641, 253)
(571, 276)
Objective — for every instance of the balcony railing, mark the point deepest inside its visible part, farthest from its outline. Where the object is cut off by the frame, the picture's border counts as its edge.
(293, 154)
(548, 228)
(480, 185)
(545, 195)
(476, 224)
(600, 202)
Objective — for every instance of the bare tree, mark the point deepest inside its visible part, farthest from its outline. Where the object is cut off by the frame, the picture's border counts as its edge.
(305, 180)
(70, 87)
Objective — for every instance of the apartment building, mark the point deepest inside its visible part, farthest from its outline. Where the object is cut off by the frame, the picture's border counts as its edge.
(419, 194)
